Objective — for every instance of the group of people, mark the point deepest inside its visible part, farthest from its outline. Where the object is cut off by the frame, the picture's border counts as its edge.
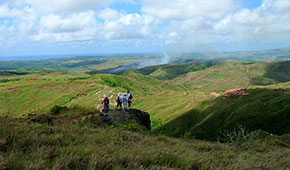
(123, 101)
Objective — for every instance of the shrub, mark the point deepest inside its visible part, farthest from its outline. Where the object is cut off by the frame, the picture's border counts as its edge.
(237, 136)
(56, 109)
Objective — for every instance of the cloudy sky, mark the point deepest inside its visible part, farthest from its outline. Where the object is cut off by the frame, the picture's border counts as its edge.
(45, 27)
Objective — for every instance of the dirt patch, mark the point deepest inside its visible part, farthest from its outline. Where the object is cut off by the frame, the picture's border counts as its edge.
(12, 89)
(81, 95)
(30, 80)
(215, 94)
(91, 85)
(235, 92)
(65, 121)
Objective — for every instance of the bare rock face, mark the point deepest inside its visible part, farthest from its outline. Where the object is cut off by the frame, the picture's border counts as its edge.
(235, 92)
(115, 117)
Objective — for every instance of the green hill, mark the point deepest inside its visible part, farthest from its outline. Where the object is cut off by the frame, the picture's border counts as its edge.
(170, 71)
(166, 100)
(278, 71)
(264, 109)
(184, 100)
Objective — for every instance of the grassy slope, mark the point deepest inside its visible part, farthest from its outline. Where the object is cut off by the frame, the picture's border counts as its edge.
(220, 78)
(164, 100)
(182, 104)
(279, 71)
(264, 109)
(27, 145)
(169, 71)
(24, 96)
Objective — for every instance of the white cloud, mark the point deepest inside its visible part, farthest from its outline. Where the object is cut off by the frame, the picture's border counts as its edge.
(84, 27)
(269, 22)
(70, 6)
(190, 23)
(76, 22)
(82, 35)
(75, 27)
(130, 26)
(16, 25)
(5, 11)
(62, 6)
(186, 9)
(108, 14)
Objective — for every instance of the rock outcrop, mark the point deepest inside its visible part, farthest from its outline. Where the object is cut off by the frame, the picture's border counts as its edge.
(115, 117)
(235, 92)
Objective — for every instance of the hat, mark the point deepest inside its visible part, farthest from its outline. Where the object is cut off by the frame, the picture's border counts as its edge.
(125, 94)
(105, 95)
(119, 94)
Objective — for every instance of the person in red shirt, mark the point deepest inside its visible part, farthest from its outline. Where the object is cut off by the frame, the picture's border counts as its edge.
(106, 102)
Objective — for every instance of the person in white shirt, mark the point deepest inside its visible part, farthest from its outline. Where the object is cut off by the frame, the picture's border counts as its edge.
(125, 101)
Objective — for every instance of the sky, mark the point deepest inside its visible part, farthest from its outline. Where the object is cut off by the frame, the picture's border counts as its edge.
(59, 27)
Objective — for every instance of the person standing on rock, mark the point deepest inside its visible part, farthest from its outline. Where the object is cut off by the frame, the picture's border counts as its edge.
(125, 101)
(106, 102)
(130, 97)
(119, 100)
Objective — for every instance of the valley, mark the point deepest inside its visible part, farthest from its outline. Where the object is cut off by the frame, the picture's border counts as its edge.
(195, 104)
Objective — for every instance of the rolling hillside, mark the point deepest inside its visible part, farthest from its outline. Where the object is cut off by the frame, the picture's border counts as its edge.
(166, 100)
(189, 101)
(265, 109)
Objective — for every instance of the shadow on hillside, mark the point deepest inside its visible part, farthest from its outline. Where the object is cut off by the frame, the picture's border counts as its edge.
(182, 125)
(264, 109)
(279, 72)
(275, 73)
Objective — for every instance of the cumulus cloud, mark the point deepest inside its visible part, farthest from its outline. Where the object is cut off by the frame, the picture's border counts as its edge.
(57, 24)
(75, 27)
(5, 11)
(184, 25)
(108, 14)
(185, 9)
(16, 25)
(269, 22)
(116, 26)
(62, 6)
(130, 26)
(70, 6)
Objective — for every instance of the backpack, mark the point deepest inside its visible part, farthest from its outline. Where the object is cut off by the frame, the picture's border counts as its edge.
(124, 100)
(130, 97)
(107, 100)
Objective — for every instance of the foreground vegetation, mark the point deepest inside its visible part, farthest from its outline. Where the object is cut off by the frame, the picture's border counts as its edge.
(28, 145)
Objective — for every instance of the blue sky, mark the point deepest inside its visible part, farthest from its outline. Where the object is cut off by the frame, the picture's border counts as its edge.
(47, 27)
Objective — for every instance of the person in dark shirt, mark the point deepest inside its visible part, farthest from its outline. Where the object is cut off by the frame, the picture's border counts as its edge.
(130, 97)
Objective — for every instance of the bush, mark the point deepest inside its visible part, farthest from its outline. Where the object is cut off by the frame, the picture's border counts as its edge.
(237, 136)
(56, 109)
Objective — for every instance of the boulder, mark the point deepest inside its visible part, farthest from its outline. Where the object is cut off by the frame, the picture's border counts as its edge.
(115, 117)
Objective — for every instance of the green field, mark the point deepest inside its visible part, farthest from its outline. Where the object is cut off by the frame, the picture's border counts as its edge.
(179, 98)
